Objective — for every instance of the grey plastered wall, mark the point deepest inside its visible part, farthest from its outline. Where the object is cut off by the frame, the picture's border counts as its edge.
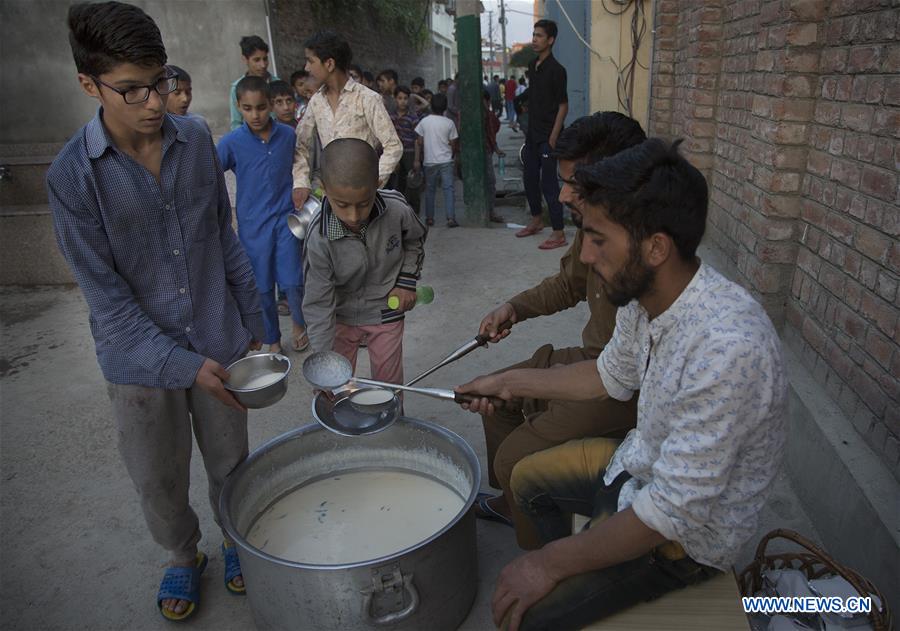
(46, 104)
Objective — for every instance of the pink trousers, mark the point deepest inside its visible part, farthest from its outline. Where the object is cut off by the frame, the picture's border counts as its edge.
(385, 344)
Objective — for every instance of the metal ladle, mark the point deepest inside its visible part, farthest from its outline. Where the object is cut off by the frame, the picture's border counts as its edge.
(329, 370)
(462, 351)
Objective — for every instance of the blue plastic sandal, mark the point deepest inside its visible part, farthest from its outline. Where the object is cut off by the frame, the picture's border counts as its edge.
(232, 569)
(181, 583)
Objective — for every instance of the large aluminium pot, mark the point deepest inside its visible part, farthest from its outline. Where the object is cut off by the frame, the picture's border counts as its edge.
(429, 585)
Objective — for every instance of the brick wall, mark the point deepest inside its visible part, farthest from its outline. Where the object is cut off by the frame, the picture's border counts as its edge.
(790, 107)
(373, 49)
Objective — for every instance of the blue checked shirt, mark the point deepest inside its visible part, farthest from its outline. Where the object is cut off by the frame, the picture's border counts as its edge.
(164, 276)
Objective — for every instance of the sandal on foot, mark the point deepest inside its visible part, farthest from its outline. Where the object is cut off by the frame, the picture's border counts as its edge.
(551, 244)
(527, 231)
(181, 583)
(232, 569)
(484, 511)
(284, 308)
(300, 343)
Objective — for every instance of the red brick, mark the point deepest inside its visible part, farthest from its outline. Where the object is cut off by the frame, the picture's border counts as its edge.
(801, 61)
(887, 286)
(832, 280)
(843, 88)
(868, 390)
(802, 34)
(776, 251)
(827, 113)
(852, 294)
(857, 117)
(879, 347)
(840, 227)
(785, 182)
(886, 121)
(875, 91)
(864, 58)
(892, 91)
(792, 158)
(819, 163)
(884, 151)
(781, 205)
(833, 60)
(801, 86)
(812, 10)
(845, 172)
(882, 313)
(857, 207)
(850, 323)
(879, 183)
(829, 88)
(872, 243)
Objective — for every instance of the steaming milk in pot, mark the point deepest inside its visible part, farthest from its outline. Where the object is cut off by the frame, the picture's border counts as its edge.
(354, 516)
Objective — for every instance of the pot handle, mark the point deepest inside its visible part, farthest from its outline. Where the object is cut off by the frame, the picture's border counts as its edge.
(396, 616)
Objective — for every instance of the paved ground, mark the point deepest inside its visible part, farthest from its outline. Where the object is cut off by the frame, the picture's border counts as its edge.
(75, 554)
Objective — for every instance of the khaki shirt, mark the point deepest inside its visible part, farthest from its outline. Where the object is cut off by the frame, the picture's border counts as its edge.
(360, 114)
(574, 282)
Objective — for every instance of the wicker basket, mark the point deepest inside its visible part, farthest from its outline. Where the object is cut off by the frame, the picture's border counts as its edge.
(814, 563)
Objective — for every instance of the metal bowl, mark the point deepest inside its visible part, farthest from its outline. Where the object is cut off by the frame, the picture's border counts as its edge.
(339, 416)
(298, 220)
(244, 372)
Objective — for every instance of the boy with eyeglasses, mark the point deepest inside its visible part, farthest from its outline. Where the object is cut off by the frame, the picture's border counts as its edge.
(142, 216)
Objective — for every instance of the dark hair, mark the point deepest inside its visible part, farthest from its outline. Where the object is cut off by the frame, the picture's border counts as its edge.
(252, 43)
(495, 77)
(419, 81)
(104, 35)
(485, 95)
(402, 88)
(281, 88)
(650, 188)
(329, 45)
(549, 27)
(181, 73)
(349, 162)
(253, 84)
(389, 74)
(597, 136)
(439, 103)
(522, 80)
(426, 92)
(367, 76)
(355, 68)
(442, 82)
(297, 75)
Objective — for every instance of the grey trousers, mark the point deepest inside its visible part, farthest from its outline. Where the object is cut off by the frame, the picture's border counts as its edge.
(154, 427)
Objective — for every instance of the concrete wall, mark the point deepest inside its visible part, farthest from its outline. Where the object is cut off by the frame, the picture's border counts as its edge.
(47, 105)
(790, 107)
(373, 48)
(611, 37)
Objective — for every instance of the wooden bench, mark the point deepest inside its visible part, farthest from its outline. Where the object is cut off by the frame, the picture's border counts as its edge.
(714, 606)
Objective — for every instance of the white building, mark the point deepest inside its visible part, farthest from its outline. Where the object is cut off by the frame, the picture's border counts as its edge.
(443, 35)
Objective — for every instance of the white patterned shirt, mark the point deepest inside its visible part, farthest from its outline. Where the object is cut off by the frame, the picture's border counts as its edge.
(360, 113)
(711, 415)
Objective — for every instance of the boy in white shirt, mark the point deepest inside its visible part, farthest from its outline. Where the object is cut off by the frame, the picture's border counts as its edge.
(438, 135)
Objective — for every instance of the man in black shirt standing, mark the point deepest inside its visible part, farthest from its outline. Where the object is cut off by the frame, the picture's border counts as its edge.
(548, 105)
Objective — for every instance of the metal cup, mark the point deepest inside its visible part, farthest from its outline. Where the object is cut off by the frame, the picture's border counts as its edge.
(298, 220)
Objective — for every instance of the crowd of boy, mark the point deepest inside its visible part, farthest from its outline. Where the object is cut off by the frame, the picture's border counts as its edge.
(673, 483)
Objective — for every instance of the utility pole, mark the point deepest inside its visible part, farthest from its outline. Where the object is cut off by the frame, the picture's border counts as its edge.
(471, 128)
(503, 36)
(491, 40)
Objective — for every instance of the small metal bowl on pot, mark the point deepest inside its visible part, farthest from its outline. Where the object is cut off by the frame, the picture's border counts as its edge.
(258, 381)
(298, 220)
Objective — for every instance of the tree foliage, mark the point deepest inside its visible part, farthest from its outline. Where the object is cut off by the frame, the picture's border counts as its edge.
(408, 18)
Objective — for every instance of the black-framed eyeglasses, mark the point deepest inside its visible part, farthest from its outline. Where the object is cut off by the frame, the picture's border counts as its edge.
(140, 93)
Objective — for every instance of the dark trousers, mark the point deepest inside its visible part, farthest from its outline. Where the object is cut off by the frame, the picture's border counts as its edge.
(549, 487)
(540, 177)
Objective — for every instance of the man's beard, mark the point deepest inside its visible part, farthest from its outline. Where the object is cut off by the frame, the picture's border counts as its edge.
(575, 215)
(632, 281)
